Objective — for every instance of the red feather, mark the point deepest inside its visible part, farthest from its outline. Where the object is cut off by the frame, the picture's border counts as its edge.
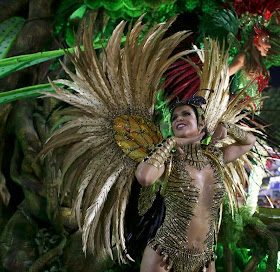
(181, 79)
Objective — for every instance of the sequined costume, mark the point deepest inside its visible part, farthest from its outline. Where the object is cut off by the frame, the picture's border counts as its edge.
(190, 204)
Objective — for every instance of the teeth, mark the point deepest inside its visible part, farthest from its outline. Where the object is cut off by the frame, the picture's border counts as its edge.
(180, 126)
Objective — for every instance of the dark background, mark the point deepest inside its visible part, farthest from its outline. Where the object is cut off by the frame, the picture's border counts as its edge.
(275, 77)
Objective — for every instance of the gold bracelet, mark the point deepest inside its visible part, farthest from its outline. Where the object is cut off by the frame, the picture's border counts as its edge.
(236, 132)
(161, 152)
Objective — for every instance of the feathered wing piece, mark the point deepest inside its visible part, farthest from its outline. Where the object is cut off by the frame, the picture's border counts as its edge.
(109, 92)
(214, 87)
(214, 82)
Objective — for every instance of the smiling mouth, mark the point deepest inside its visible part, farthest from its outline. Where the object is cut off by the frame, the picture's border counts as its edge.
(179, 126)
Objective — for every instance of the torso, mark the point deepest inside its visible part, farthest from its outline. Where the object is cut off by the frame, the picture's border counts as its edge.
(192, 199)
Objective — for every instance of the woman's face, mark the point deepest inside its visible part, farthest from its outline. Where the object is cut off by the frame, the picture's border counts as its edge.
(184, 122)
(264, 44)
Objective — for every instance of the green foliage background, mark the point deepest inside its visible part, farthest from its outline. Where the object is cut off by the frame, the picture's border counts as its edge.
(66, 23)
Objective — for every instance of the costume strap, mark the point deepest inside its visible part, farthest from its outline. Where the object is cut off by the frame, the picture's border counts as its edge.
(215, 160)
(236, 132)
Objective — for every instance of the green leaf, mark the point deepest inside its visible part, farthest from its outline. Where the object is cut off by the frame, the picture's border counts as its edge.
(16, 63)
(9, 30)
(79, 13)
(31, 91)
(12, 64)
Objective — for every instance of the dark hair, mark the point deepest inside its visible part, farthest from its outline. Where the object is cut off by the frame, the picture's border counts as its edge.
(196, 101)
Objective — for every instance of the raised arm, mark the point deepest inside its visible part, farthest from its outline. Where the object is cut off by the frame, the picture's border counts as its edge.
(152, 167)
(147, 174)
(237, 63)
(244, 141)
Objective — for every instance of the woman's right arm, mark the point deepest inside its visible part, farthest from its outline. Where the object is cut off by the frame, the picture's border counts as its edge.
(147, 174)
(152, 167)
(237, 63)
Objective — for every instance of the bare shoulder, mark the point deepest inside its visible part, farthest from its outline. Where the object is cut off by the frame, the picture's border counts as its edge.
(237, 63)
(241, 57)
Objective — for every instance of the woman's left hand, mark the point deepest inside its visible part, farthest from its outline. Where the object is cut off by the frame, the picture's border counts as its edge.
(219, 134)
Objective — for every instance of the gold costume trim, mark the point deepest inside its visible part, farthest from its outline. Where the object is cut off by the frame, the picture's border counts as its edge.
(236, 132)
(161, 152)
(194, 156)
(194, 259)
(147, 197)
